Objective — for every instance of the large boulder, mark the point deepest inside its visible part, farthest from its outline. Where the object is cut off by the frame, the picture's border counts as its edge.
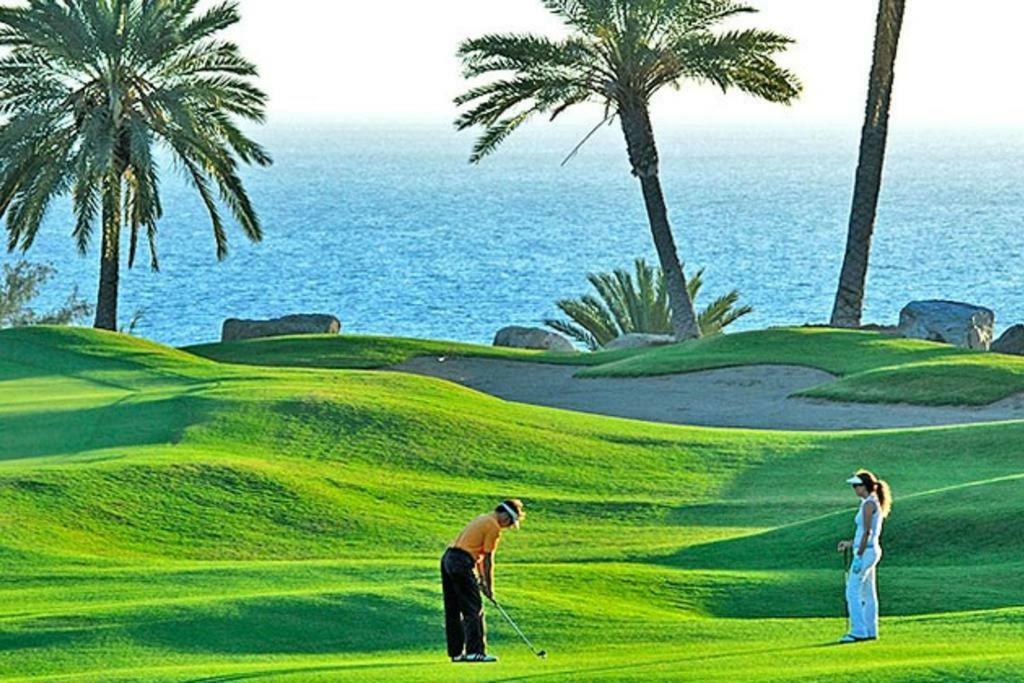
(637, 340)
(532, 338)
(1011, 341)
(236, 330)
(951, 322)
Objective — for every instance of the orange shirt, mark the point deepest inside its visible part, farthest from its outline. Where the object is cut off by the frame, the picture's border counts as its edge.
(480, 536)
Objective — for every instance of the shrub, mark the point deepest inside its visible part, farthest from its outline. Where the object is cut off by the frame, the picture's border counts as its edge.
(637, 303)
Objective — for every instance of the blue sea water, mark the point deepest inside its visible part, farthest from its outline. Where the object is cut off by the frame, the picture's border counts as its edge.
(389, 228)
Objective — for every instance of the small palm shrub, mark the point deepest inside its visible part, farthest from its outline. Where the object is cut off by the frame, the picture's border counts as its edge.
(637, 302)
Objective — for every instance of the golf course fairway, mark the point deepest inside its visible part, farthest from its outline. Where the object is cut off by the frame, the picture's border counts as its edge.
(168, 517)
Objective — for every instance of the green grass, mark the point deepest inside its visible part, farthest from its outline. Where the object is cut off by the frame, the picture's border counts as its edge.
(165, 518)
(370, 352)
(872, 368)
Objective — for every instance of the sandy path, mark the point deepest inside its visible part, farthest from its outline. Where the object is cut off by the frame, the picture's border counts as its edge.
(755, 396)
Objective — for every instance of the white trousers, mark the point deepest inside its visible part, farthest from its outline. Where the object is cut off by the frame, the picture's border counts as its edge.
(862, 596)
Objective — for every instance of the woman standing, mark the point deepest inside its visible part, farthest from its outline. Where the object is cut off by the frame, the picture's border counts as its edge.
(861, 591)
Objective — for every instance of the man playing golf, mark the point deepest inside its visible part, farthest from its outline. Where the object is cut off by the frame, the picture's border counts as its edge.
(469, 555)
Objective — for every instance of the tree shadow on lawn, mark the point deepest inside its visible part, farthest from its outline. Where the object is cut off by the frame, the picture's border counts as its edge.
(956, 550)
(299, 625)
(902, 591)
(100, 358)
(55, 633)
(134, 421)
(310, 670)
(355, 623)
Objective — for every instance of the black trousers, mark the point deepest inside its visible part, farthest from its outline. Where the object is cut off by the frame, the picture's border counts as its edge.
(463, 607)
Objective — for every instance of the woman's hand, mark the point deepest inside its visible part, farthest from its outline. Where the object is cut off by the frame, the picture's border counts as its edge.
(844, 545)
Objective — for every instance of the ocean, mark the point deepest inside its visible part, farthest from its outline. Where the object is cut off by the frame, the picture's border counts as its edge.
(389, 228)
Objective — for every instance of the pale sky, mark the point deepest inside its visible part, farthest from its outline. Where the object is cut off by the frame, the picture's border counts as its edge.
(365, 61)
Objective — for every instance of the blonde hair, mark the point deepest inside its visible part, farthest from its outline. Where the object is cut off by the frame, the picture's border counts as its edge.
(880, 488)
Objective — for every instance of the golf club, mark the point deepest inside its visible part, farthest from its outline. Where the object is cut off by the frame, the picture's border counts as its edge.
(540, 653)
(847, 561)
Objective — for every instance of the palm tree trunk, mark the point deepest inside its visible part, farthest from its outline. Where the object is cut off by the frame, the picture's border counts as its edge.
(110, 251)
(643, 155)
(849, 301)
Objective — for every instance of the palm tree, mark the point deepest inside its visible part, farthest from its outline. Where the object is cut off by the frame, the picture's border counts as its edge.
(620, 53)
(850, 294)
(89, 88)
(637, 302)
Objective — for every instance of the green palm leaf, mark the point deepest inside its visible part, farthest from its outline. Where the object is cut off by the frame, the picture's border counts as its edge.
(625, 305)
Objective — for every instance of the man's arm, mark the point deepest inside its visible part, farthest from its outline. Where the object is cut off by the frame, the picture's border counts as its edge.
(487, 574)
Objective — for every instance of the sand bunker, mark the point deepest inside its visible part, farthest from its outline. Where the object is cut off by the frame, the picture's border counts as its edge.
(753, 396)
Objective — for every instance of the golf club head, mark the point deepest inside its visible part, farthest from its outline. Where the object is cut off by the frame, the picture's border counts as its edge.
(543, 654)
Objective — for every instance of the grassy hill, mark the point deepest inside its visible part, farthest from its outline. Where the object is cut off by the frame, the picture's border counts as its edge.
(871, 367)
(371, 352)
(167, 517)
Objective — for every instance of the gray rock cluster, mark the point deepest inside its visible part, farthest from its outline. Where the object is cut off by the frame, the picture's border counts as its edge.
(960, 324)
(951, 322)
(532, 338)
(1011, 341)
(237, 330)
(639, 341)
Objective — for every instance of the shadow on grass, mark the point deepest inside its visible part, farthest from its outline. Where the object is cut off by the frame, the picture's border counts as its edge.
(666, 661)
(127, 423)
(306, 625)
(795, 571)
(322, 669)
(296, 625)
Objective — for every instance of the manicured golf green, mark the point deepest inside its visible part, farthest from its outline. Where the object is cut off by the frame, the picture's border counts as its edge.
(369, 352)
(166, 517)
(872, 367)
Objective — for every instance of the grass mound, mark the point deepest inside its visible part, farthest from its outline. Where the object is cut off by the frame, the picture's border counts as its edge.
(165, 517)
(872, 368)
(369, 352)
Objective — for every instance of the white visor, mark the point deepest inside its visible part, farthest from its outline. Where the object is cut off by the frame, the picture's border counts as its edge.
(855, 481)
(511, 512)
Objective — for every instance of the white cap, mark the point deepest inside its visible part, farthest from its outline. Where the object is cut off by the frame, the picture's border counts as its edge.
(855, 480)
(511, 512)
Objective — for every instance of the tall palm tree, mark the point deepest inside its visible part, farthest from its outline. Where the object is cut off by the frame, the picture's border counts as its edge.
(620, 53)
(89, 89)
(849, 301)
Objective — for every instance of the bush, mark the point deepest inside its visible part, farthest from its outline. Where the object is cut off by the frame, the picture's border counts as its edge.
(20, 285)
(637, 303)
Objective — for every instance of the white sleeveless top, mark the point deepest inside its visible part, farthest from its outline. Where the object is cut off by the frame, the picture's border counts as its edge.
(876, 524)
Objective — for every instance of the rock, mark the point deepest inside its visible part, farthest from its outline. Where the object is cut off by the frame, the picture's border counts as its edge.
(639, 341)
(532, 338)
(1011, 341)
(236, 330)
(951, 322)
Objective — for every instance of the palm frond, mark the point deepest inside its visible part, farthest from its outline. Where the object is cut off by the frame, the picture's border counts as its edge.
(735, 59)
(721, 313)
(573, 331)
(637, 302)
(592, 315)
(619, 52)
